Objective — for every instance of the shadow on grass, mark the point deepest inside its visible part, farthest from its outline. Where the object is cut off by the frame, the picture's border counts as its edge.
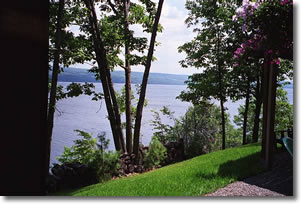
(280, 178)
(249, 170)
(235, 169)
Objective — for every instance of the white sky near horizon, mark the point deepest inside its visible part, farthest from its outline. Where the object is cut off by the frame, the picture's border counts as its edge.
(175, 33)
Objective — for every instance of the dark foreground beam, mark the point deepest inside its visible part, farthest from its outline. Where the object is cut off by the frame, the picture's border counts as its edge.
(24, 64)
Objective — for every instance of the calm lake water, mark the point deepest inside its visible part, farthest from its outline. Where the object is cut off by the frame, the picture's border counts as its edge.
(84, 114)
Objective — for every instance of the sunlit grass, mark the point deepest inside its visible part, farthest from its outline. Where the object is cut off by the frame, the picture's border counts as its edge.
(194, 177)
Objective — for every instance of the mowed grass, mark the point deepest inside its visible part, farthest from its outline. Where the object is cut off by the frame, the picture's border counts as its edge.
(194, 177)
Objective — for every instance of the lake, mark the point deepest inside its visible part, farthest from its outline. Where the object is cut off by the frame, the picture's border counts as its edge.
(90, 116)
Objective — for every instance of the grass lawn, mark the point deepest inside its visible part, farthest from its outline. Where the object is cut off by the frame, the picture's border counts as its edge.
(194, 177)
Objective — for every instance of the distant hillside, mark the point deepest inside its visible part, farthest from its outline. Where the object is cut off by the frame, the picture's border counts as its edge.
(82, 75)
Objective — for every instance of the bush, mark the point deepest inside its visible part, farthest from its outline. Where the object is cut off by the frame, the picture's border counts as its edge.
(83, 151)
(164, 132)
(155, 155)
(199, 128)
(104, 164)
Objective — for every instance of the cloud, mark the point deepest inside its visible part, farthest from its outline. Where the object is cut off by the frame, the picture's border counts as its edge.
(175, 34)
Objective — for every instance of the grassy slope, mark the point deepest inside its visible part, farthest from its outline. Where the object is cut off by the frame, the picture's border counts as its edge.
(193, 177)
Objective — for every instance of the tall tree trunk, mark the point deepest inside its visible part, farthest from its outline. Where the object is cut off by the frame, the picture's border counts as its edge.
(258, 98)
(244, 133)
(128, 88)
(55, 72)
(144, 80)
(221, 95)
(103, 67)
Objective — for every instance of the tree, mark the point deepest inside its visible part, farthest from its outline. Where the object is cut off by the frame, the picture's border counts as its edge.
(64, 49)
(106, 58)
(251, 42)
(209, 50)
(106, 80)
(270, 24)
(128, 109)
(199, 129)
(126, 14)
(144, 80)
(284, 111)
(283, 114)
(244, 83)
(52, 100)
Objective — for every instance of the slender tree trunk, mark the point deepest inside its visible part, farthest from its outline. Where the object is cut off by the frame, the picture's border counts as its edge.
(221, 96)
(258, 98)
(128, 88)
(55, 72)
(103, 66)
(144, 80)
(244, 134)
(223, 124)
(116, 110)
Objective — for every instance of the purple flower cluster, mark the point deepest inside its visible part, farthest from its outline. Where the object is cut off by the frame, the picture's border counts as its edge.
(276, 61)
(283, 2)
(251, 43)
(255, 36)
(247, 9)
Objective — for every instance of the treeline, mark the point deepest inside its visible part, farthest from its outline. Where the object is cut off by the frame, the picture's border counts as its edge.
(82, 75)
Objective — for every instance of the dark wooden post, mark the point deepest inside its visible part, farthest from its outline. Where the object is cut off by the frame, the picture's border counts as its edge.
(24, 52)
(265, 82)
(270, 71)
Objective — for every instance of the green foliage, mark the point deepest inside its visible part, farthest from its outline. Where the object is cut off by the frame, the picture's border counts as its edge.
(74, 48)
(233, 135)
(83, 151)
(284, 111)
(77, 89)
(87, 150)
(199, 128)
(238, 120)
(155, 155)
(163, 132)
(210, 50)
(284, 115)
(120, 97)
(200, 86)
(111, 25)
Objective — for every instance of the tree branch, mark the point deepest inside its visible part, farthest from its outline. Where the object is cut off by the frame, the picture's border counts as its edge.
(92, 65)
(113, 7)
(123, 67)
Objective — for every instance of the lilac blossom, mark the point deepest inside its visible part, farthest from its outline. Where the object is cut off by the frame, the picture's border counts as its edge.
(242, 13)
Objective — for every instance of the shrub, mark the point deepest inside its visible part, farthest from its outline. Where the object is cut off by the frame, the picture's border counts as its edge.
(155, 155)
(165, 132)
(87, 150)
(199, 128)
(83, 151)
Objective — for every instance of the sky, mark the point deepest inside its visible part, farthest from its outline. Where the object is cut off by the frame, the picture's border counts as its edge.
(175, 33)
